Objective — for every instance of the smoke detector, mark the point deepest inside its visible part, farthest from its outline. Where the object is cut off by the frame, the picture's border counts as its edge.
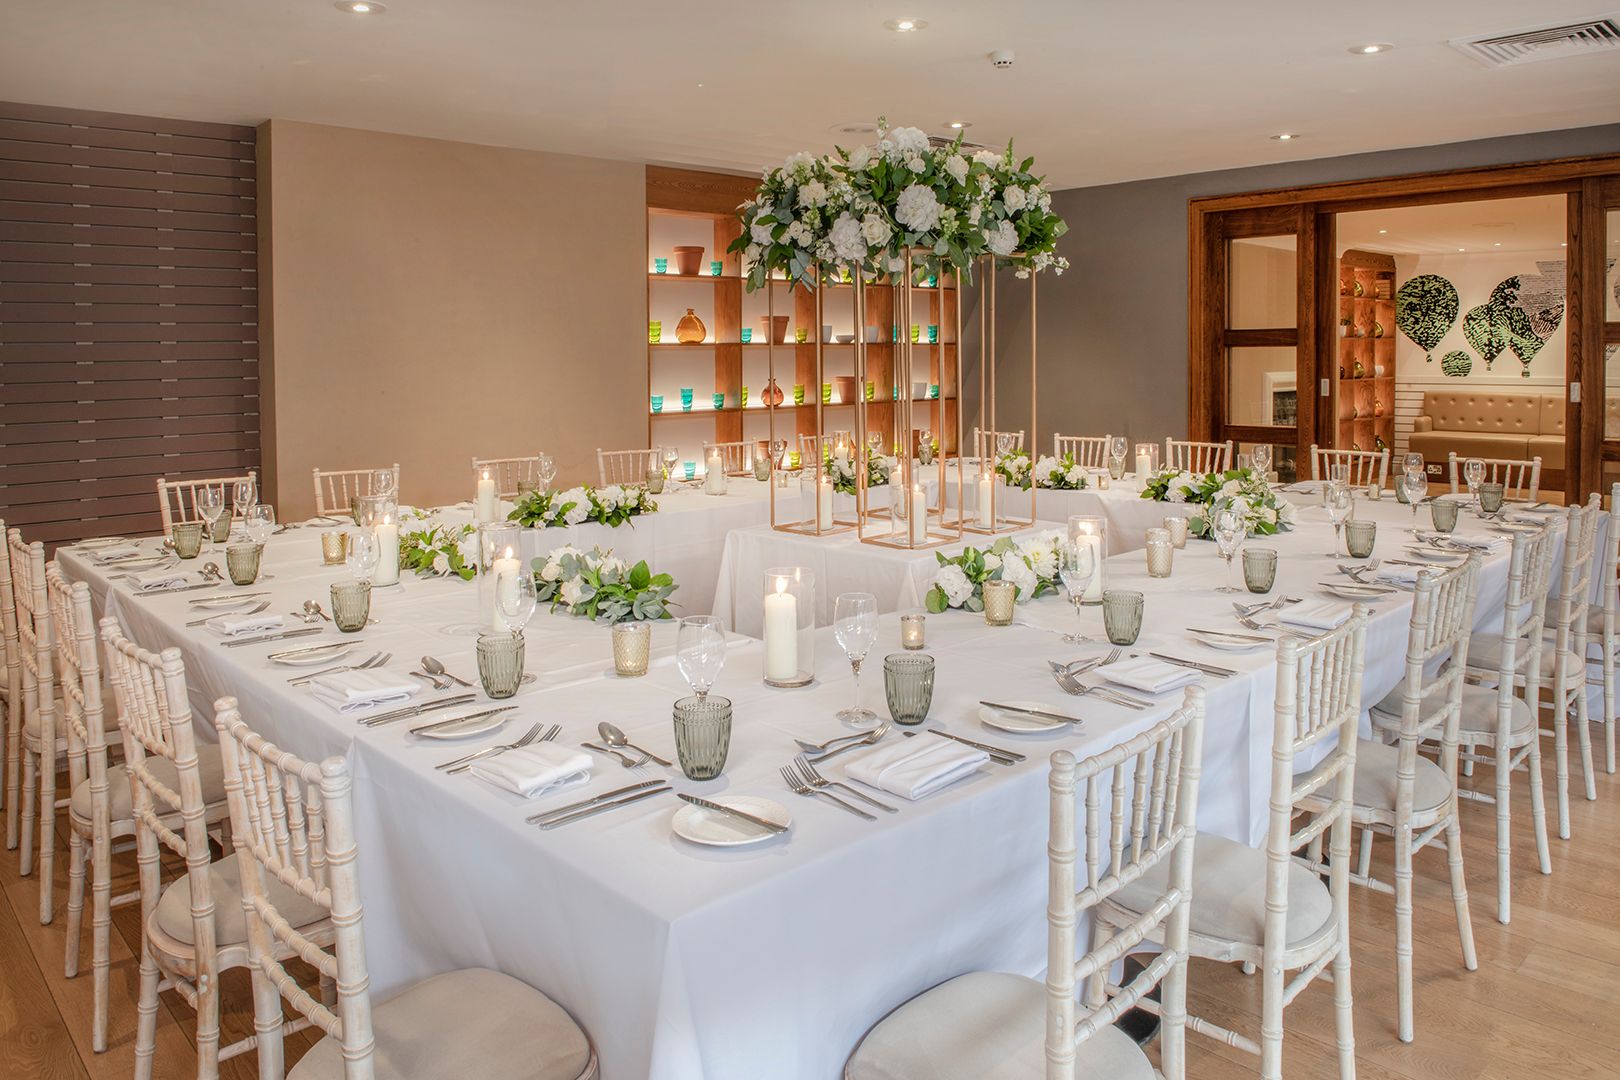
(1001, 59)
(1546, 43)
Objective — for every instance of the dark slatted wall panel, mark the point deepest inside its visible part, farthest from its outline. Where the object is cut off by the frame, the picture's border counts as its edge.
(128, 314)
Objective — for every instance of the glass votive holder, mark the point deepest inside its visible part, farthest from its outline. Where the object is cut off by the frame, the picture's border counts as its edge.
(1400, 494)
(916, 333)
(1490, 497)
(655, 481)
(334, 547)
(702, 735)
(351, 605)
(221, 532)
(913, 631)
(1259, 569)
(715, 268)
(661, 266)
(826, 393)
(999, 597)
(655, 331)
(1100, 479)
(908, 683)
(632, 645)
(500, 662)
(747, 334)
(1116, 468)
(762, 468)
(1160, 555)
(690, 468)
(1122, 615)
(719, 402)
(658, 403)
(1444, 514)
(686, 399)
(187, 538)
(1359, 537)
(933, 333)
(1177, 528)
(242, 562)
(356, 506)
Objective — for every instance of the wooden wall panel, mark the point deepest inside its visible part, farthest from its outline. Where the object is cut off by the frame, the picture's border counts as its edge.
(128, 314)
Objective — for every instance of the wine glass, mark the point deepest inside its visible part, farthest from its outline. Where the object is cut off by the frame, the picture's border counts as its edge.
(1262, 460)
(855, 627)
(1338, 499)
(517, 601)
(364, 554)
(1004, 443)
(1413, 463)
(545, 469)
(1416, 485)
(700, 651)
(210, 505)
(1339, 473)
(384, 482)
(1229, 530)
(1474, 474)
(244, 493)
(1077, 565)
(259, 522)
(1118, 447)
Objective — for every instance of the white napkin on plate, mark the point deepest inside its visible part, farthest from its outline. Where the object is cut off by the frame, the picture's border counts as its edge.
(535, 770)
(1480, 543)
(158, 580)
(348, 691)
(1149, 675)
(234, 624)
(913, 768)
(115, 551)
(1320, 615)
(1406, 575)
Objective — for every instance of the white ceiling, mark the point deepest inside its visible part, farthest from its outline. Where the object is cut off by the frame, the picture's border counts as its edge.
(1100, 92)
(1539, 223)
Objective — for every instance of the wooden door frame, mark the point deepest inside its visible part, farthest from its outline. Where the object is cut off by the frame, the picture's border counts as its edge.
(1588, 181)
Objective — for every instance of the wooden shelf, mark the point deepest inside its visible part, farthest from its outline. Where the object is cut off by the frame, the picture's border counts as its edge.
(784, 407)
(788, 345)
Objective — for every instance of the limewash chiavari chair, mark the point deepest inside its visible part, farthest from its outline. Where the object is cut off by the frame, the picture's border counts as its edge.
(1368, 468)
(336, 488)
(736, 458)
(1603, 626)
(625, 466)
(177, 499)
(40, 744)
(194, 929)
(513, 475)
(1090, 451)
(984, 442)
(293, 826)
(11, 722)
(812, 446)
(1295, 921)
(1520, 479)
(994, 1024)
(1200, 457)
(1405, 796)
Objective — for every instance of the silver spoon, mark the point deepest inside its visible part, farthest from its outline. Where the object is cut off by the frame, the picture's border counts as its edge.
(432, 666)
(312, 608)
(616, 738)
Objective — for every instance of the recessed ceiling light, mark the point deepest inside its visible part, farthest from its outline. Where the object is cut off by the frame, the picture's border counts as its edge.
(1383, 232)
(360, 7)
(1285, 136)
(1371, 49)
(1462, 249)
(1497, 244)
(855, 127)
(905, 26)
(958, 125)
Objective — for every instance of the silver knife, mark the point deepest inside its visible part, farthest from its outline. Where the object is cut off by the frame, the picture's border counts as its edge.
(1230, 636)
(227, 596)
(416, 710)
(1207, 669)
(559, 811)
(993, 751)
(1020, 710)
(454, 720)
(308, 649)
(273, 637)
(552, 823)
(731, 811)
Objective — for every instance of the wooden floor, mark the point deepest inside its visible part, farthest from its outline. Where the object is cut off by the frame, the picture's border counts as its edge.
(1544, 1004)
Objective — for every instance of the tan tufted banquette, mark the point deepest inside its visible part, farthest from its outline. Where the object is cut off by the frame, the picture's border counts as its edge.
(1491, 424)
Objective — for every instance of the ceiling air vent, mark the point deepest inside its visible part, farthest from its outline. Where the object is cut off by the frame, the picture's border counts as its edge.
(1548, 43)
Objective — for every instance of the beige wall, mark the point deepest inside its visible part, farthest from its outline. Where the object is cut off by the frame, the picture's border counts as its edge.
(426, 301)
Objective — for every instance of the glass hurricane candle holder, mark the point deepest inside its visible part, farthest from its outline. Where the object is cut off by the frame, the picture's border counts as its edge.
(1491, 497)
(1444, 514)
(1122, 616)
(702, 735)
(913, 631)
(908, 684)
(351, 605)
(1176, 526)
(1359, 537)
(499, 568)
(817, 499)
(790, 626)
(1086, 529)
(380, 513)
(632, 645)
(242, 562)
(1160, 554)
(1259, 569)
(334, 547)
(187, 537)
(1147, 460)
(500, 662)
(999, 598)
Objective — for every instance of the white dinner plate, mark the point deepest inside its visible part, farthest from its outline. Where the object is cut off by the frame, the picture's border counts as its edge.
(322, 654)
(473, 726)
(1018, 723)
(1349, 590)
(1436, 555)
(714, 829)
(99, 542)
(1511, 527)
(1238, 643)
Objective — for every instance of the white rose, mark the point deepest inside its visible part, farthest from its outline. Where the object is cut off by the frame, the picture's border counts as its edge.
(573, 591)
(1176, 493)
(1268, 515)
(876, 230)
(813, 194)
(1013, 198)
(553, 568)
(1003, 239)
(916, 164)
(917, 208)
(975, 212)
(799, 164)
(988, 157)
(612, 565)
(441, 564)
(957, 166)
(860, 158)
(954, 583)
(992, 563)
(762, 233)
(1044, 470)
(580, 512)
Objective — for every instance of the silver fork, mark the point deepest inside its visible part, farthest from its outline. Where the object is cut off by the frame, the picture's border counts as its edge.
(868, 739)
(375, 660)
(249, 611)
(1255, 624)
(438, 683)
(633, 764)
(1073, 685)
(1080, 667)
(461, 764)
(808, 773)
(797, 785)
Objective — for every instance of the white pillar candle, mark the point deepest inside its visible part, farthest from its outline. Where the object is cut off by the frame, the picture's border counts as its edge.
(781, 634)
(484, 504)
(714, 478)
(986, 484)
(387, 533)
(824, 504)
(507, 570)
(1144, 464)
(919, 515)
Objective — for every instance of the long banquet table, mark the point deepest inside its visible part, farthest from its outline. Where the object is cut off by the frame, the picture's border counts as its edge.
(1121, 505)
(685, 962)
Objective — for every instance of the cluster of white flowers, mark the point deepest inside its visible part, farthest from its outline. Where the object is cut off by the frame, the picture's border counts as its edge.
(917, 208)
(1050, 472)
(954, 584)
(1030, 564)
(1182, 486)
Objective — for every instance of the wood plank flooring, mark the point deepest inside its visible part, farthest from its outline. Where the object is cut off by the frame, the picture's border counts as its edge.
(1544, 1004)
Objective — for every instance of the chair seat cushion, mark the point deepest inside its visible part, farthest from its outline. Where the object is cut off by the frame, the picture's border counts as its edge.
(983, 1026)
(1485, 653)
(1478, 712)
(1376, 785)
(470, 1023)
(1229, 894)
(173, 912)
(109, 723)
(210, 770)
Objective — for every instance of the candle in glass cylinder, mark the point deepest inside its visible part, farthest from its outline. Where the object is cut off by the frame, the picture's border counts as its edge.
(985, 494)
(781, 634)
(1087, 531)
(1144, 462)
(484, 504)
(387, 532)
(919, 515)
(714, 479)
(824, 504)
(507, 570)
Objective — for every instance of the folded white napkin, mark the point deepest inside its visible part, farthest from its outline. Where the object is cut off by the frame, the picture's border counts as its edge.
(1149, 675)
(1320, 615)
(157, 580)
(234, 624)
(1406, 575)
(1480, 543)
(532, 771)
(348, 691)
(913, 768)
(115, 551)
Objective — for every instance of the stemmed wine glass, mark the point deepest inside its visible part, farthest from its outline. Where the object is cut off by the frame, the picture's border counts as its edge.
(1338, 499)
(700, 651)
(1077, 565)
(517, 601)
(210, 505)
(1229, 530)
(244, 493)
(545, 469)
(1412, 463)
(1117, 449)
(778, 451)
(671, 456)
(1262, 460)
(1474, 474)
(855, 626)
(259, 522)
(364, 554)
(384, 482)
(1416, 485)
(1004, 443)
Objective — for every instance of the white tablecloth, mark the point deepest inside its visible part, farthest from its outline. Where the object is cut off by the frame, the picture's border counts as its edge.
(1128, 515)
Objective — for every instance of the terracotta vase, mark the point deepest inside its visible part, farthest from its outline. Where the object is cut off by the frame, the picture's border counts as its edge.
(776, 328)
(690, 330)
(773, 394)
(688, 259)
(844, 388)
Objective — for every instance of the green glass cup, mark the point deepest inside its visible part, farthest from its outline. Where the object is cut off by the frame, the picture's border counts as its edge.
(933, 333)
(500, 663)
(798, 393)
(908, 685)
(719, 402)
(186, 536)
(661, 266)
(747, 334)
(826, 393)
(1122, 615)
(716, 268)
(658, 403)
(655, 331)
(702, 735)
(1443, 512)
(351, 605)
(242, 562)
(1259, 569)
(1359, 537)
(1491, 497)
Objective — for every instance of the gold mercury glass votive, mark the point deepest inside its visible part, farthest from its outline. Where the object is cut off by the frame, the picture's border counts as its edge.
(632, 644)
(912, 631)
(242, 562)
(1159, 553)
(655, 481)
(999, 597)
(1176, 526)
(334, 547)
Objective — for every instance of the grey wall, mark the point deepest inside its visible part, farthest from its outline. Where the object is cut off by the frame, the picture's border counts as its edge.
(1113, 329)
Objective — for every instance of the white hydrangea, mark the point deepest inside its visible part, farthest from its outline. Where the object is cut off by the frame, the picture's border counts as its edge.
(1003, 239)
(612, 564)
(1044, 469)
(800, 165)
(956, 165)
(1075, 475)
(848, 243)
(813, 194)
(954, 583)
(581, 509)
(761, 234)
(917, 208)
(988, 157)
(610, 497)
(1287, 513)
(572, 591)
(1016, 570)
(1014, 198)
(908, 141)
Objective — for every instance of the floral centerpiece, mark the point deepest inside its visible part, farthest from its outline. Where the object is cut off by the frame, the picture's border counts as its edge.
(612, 505)
(840, 465)
(865, 208)
(1266, 512)
(1013, 468)
(440, 551)
(1053, 473)
(598, 585)
(1031, 564)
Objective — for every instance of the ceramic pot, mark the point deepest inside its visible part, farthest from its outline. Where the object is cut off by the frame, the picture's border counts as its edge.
(688, 259)
(690, 330)
(776, 328)
(844, 388)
